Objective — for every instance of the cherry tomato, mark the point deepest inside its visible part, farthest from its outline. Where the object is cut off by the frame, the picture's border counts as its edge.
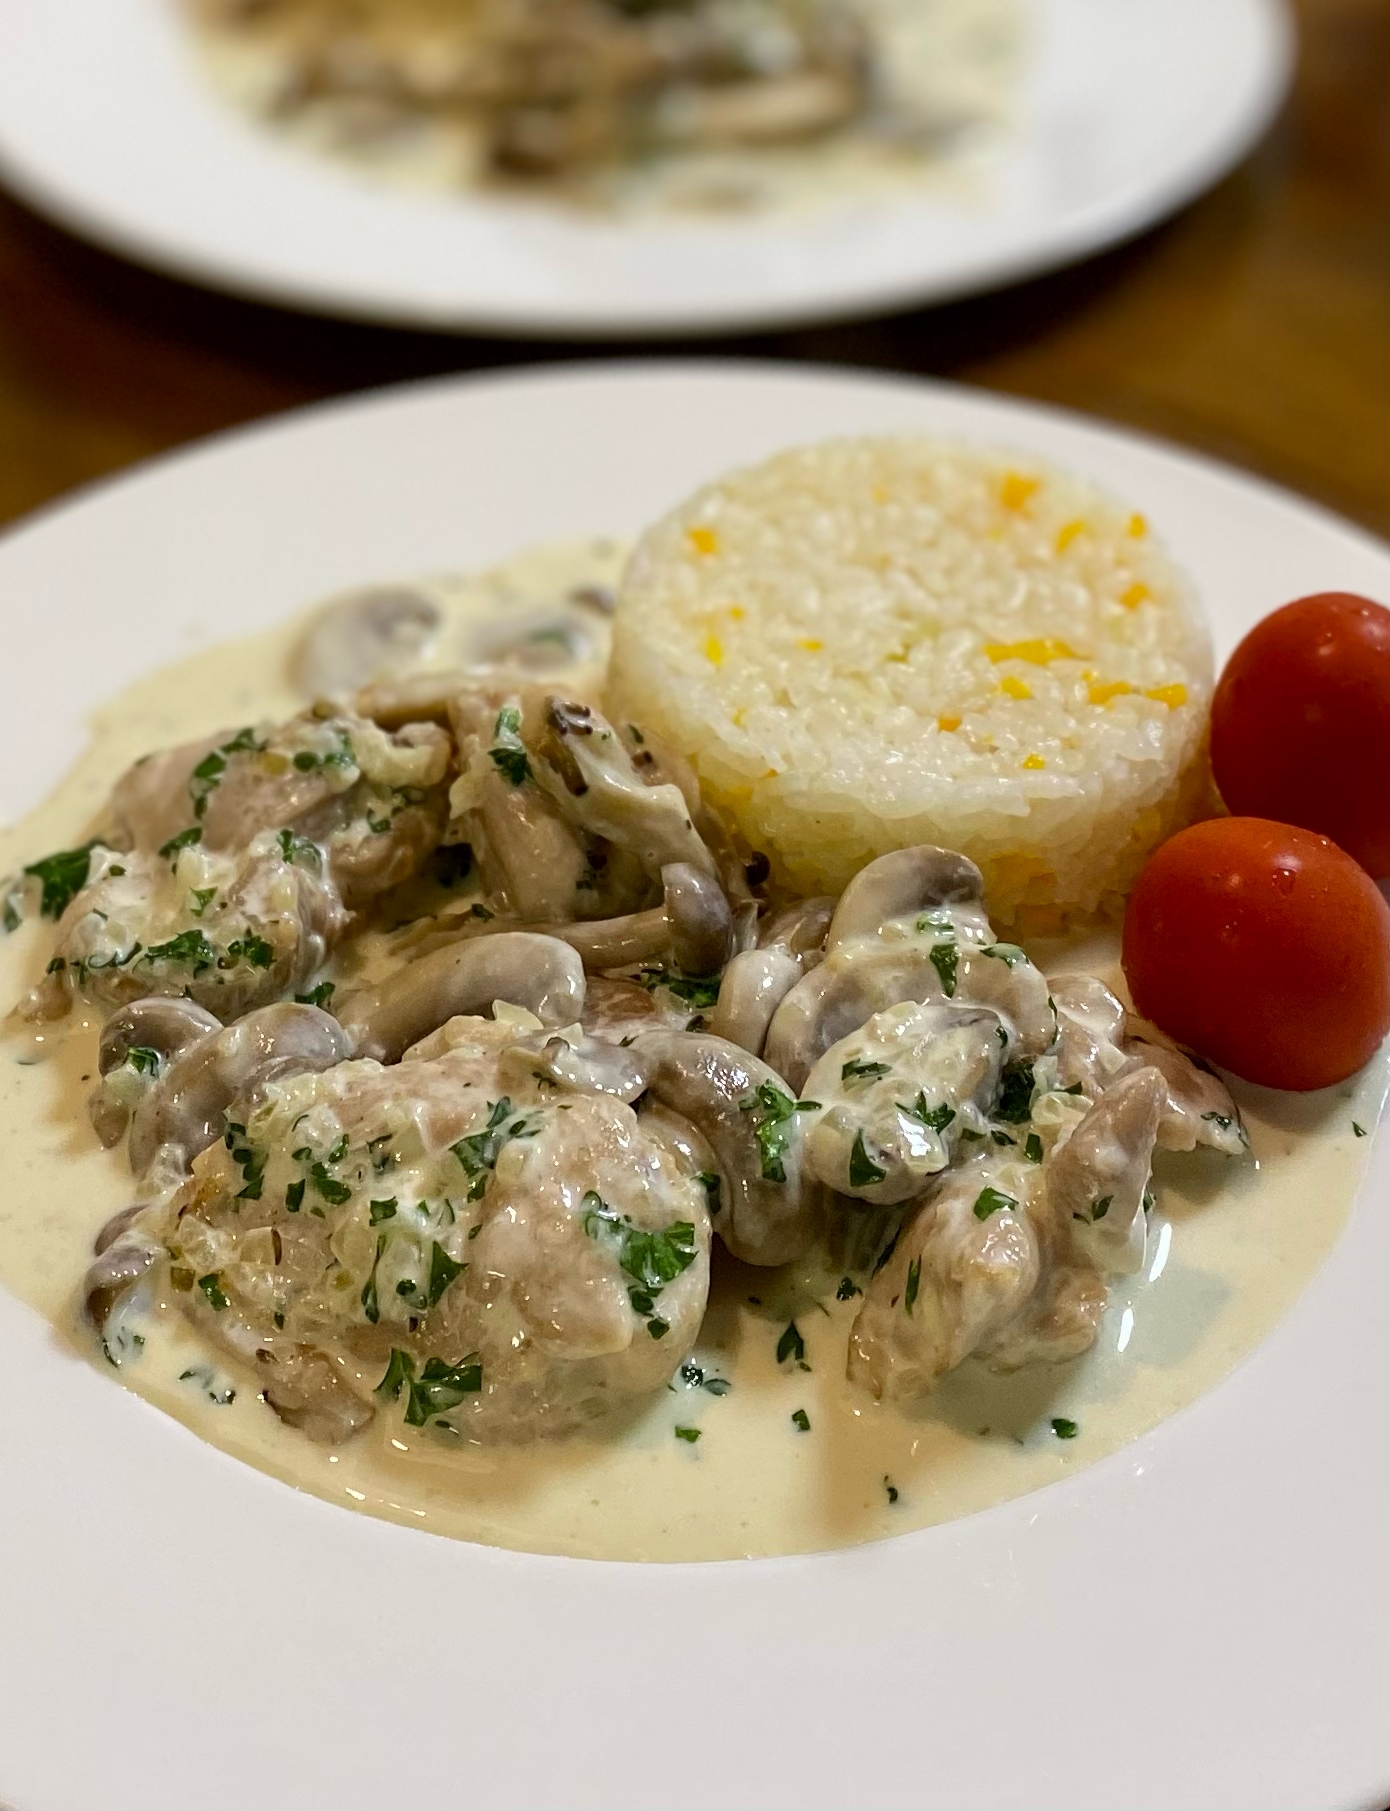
(1264, 948)
(1300, 724)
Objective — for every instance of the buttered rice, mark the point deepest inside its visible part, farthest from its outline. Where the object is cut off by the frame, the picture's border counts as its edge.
(869, 644)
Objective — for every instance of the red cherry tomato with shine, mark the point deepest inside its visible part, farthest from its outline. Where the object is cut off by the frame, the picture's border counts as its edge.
(1264, 948)
(1300, 724)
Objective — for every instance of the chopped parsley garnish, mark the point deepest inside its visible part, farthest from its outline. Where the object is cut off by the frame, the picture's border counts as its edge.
(479, 1151)
(857, 1071)
(891, 1488)
(710, 1183)
(311, 761)
(200, 898)
(443, 1270)
(1015, 1093)
(190, 947)
(63, 876)
(508, 752)
(1359, 1130)
(1063, 1428)
(945, 959)
(774, 1120)
(371, 1307)
(863, 1171)
(317, 996)
(938, 919)
(887, 1252)
(801, 1420)
(439, 1387)
(377, 1211)
(143, 1060)
(692, 1375)
(251, 949)
(692, 1434)
(690, 990)
(937, 1118)
(252, 1164)
(294, 1197)
(914, 1284)
(651, 1259)
(791, 1345)
(1100, 1207)
(301, 850)
(1033, 1148)
(1008, 953)
(211, 1286)
(186, 839)
(992, 1201)
(1002, 1137)
(848, 1289)
(207, 775)
(329, 1187)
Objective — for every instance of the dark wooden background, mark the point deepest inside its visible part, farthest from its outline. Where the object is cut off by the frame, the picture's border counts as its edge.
(1255, 326)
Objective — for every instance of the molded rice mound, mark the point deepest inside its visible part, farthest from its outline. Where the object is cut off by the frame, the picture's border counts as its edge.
(868, 644)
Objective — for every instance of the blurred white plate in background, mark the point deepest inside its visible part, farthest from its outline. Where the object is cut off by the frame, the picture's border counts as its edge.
(1196, 1623)
(1129, 109)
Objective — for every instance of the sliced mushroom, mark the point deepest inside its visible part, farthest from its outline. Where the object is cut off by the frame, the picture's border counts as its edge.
(539, 973)
(164, 1024)
(800, 929)
(1198, 1109)
(740, 1106)
(862, 977)
(755, 984)
(110, 1230)
(702, 926)
(185, 1110)
(359, 635)
(906, 881)
(592, 1066)
(111, 1279)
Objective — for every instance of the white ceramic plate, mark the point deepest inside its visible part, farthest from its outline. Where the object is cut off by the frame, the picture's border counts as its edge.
(1131, 107)
(1198, 1621)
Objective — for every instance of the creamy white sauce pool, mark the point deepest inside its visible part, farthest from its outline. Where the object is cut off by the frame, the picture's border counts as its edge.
(1231, 1244)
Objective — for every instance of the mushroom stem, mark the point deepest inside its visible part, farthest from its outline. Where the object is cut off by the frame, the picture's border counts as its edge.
(541, 974)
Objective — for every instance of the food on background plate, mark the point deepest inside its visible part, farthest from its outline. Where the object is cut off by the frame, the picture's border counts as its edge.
(496, 1046)
(695, 102)
(1300, 724)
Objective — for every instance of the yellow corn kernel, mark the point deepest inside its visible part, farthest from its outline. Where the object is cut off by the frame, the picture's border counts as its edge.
(703, 540)
(1135, 596)
(1039, 652)
(948, 723)
(1138, 527)
(714, 650)
(812, 644)
(1032, 762)
(1014, 688)
(1171, 695)
(1101, 691)
(1067, 533)
(1015, 490)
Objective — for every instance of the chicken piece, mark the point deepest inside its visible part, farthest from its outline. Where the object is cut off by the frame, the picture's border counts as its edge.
(897, 1095)
(1006, 1261)
(483, 1243)
(1098, 1043)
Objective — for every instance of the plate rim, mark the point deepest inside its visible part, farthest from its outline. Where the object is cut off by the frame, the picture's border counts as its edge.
(860, 1567)
(1113, 221)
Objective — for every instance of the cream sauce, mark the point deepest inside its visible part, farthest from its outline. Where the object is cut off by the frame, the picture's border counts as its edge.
(1231, 1245)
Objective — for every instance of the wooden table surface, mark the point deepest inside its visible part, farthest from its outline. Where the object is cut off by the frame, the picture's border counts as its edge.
(1255, 325)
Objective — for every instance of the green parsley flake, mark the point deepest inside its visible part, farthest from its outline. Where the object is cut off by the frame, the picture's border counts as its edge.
(211, 1286)
(863, 1171)
(186, 839)
(858, 1071)
(1033, 1148)
(691, 1434)
(508, 752)
(1064, 1429)
(190, 949)
(914, 1284)
(143, 1060)
(710, 1183)
(802, 1421)
(1359, 1130)
(791, 1345)
(377, 1211)
(945, 959)
(1016, 1093)
(992, 1201)
(847, 1290)
(935, 1118)
(62, 876)
(1100, 1207)
(773, 1115)
(1008, 953)
(317, 996)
